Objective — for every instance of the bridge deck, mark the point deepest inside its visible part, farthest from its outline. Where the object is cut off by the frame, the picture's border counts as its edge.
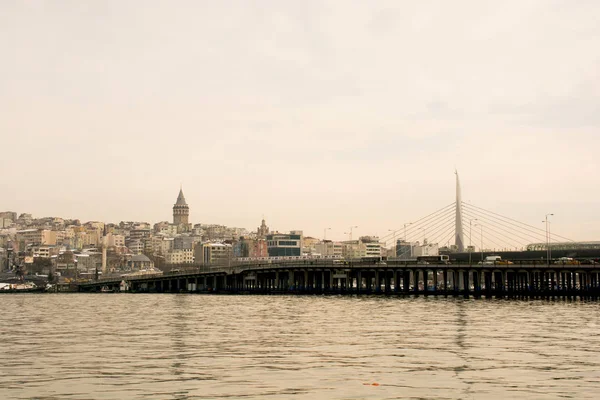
(524, 278)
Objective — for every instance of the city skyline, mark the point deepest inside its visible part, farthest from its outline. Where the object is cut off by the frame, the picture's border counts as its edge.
(427, 228)
(313, 115)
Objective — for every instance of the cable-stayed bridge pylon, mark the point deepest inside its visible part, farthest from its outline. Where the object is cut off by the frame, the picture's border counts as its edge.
(471, 228)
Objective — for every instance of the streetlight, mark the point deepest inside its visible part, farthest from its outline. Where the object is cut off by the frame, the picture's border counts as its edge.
(481, 247)
(324, 238)
(350, 233)
(408, 223)
(470, 241)
(548, 251)
(394, 240)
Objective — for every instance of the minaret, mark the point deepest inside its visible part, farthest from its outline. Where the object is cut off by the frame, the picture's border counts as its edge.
(181, 211)
(459, 240)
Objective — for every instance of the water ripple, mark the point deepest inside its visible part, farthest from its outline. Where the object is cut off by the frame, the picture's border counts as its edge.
(86, 346)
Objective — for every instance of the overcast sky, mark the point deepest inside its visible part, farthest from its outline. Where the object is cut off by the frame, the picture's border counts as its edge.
(312, 113)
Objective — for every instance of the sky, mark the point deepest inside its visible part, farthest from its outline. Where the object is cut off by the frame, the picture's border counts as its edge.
(313, 114)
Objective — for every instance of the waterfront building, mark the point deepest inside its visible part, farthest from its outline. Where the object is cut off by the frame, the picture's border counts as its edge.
(284, 245)
(427, 249)
(88, 262)
(404, 249)
(351, 249)
(309, 245)
(213, 253)
(179, 256)
(250, 248)
(65, 262)
(365, 246)
(329, 248)
(370, 246)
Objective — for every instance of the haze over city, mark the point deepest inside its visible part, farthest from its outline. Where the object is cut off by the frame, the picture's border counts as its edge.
(311, 114)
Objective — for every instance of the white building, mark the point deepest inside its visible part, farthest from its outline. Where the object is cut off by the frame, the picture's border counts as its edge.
(115, 240)
(366, 246)
(427, 249)
(136, 246)
(330, 248)
(213, 253)
(180, 256)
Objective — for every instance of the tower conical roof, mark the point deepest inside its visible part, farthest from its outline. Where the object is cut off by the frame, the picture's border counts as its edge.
(181, 199)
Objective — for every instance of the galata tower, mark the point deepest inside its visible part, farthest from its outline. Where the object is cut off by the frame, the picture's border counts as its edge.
(181, 211)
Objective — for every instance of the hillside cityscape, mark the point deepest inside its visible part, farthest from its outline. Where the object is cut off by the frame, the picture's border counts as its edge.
(68, 249)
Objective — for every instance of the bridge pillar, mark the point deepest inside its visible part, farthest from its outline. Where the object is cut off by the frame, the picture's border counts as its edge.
(305, 280)
(291, 280)
(388, 281)
(416, 280)
(487, 281)
(406, 281)
(466, 283)
(331, 272)
(570, 280)
(445, 283)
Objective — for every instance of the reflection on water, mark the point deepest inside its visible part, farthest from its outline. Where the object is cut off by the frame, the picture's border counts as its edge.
(120, 346)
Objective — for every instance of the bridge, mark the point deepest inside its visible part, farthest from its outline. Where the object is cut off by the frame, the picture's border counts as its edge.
(539, 276)
(358, 277)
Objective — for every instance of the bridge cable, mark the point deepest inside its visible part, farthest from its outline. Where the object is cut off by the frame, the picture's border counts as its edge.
(519, 222)
(516, 230)
(511, 240)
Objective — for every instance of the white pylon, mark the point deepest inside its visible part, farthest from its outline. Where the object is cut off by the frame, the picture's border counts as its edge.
(458, 238)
